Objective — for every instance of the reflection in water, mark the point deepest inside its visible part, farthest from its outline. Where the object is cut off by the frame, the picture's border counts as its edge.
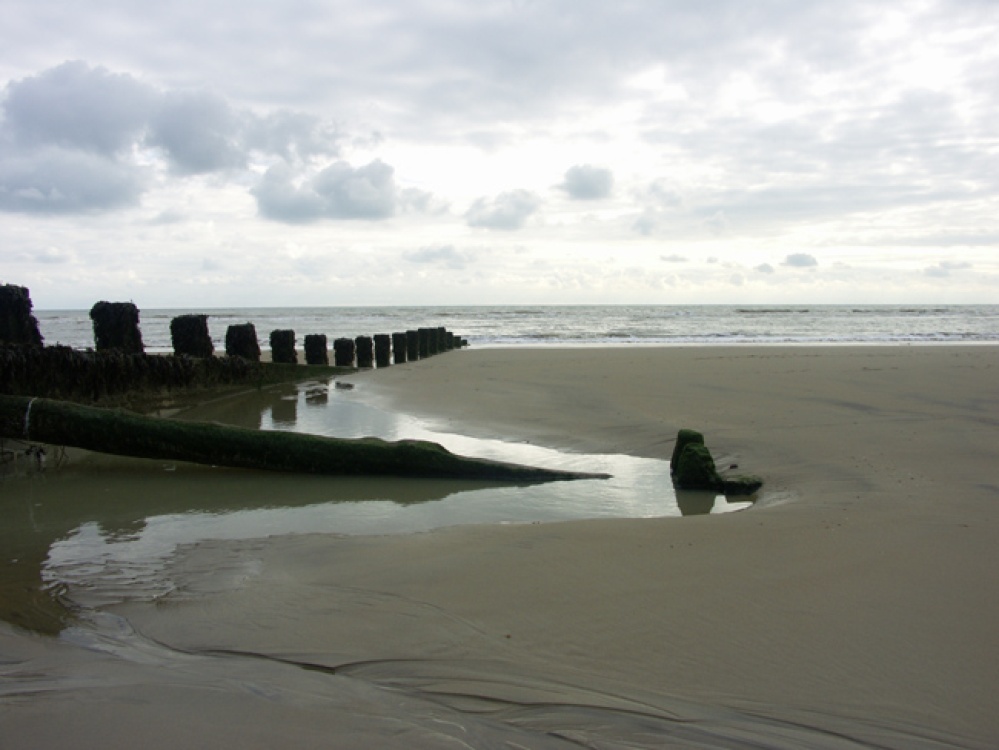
(104, 526)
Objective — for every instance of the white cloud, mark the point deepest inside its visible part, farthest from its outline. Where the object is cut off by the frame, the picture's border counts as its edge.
(337, 192)
(944, 267)
(507, 211)
(586, 182)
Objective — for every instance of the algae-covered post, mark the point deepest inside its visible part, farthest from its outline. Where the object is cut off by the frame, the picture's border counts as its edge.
(283, 347)
(365, 351)
(412, 345)
(241, 341)
(316, 350)
(17, 324)
(399, 348)
(693, 468)
(383, 349)
(343, 352)
(189, 335)
(116, 326)
(426, 343)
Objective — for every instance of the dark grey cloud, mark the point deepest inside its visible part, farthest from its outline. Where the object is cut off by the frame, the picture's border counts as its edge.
(446, 256)
(75, 106)
(800, 260)
(69, 138)
(199, 131)
(507, 211)
(56, 180)
(586, 182)
(337, 192)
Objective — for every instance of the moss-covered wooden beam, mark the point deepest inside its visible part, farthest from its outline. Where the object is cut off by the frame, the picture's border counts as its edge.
(124, 433)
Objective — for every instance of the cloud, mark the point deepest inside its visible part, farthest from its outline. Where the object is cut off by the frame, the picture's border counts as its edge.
(507, 211)
(673, 258)
(944, 267)
(800, 260)
(59, 181)
(444, 255)
(764, 268)
(70, 139)
(199, 131)
(74, 106)
(585, 182)
(337, 192)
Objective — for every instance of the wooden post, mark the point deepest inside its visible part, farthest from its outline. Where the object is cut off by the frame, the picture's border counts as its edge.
(316, 351)
(283, 347)
(383, 349)
(399, 348)
(241, 341)
(116, 326)
(412, 345)
(365, 351)
(424, 342)
(343, 352)
(17, 324)
(189, 335)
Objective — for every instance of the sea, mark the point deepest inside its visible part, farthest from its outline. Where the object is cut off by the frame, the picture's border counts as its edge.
(578, 325)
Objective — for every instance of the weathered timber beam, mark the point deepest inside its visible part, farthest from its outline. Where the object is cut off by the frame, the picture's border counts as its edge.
(125, 433)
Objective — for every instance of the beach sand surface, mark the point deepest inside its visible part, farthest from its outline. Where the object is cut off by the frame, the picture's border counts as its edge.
(854, 606)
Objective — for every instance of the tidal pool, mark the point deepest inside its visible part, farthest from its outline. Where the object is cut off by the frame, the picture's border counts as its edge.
(98, 530)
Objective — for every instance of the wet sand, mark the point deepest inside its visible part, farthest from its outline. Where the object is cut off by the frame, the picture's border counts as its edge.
(856, 604)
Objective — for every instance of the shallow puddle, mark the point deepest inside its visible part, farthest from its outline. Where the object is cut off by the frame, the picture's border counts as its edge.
(100, 529)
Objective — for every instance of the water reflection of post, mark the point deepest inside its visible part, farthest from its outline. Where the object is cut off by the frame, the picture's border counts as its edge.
(695, 502)
(285, 411)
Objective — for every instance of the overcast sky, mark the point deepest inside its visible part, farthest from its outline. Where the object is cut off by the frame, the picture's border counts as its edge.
(325, 152)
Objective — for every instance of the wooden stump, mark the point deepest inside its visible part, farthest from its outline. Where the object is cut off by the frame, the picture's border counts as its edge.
(241, 341)
(116, 326)
(412, 345)
(283, 347)
(316, 350)
(399, 348)
(189, 335)
(17, 324)
(365, 351)
(343, 352)
(383, 350)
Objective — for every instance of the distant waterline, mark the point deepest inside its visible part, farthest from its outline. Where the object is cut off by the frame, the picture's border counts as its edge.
(598, 325)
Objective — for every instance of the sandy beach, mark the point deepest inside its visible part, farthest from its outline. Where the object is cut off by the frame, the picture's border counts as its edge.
(855, 606)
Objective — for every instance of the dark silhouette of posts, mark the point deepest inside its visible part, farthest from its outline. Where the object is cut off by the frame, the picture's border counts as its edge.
(189, 336)
(283, 347)
(116, 326)
(241, 341)
(343, 352)
(316, 351)
(17, 324)
(365, 351)
(383, 349)
(412, 345)
(399, 348)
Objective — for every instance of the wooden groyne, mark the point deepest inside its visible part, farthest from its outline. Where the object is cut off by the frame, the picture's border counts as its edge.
(118, 363)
